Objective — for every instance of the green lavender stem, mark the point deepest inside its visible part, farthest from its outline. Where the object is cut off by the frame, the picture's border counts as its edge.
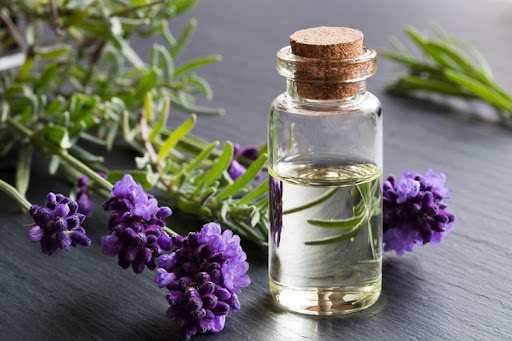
(15, 194)
(69, 159)
(170, 231)
(312, 203)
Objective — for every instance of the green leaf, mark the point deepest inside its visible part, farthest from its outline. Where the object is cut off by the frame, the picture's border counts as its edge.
(84, 155)
(142, 177)
(224, 211)
(480, 90)
(148, 106)
(244, 179)
(111, 135)
(336, 239)
(486, 68)
(54, 164)
(202, 155)
(165, 63)
(57, 135)
(23, 168)
(196, 63)
(345, 224)
(47, 76)
(52, 52)
(175, 137)
(125, 126)
(220, 166)
(313, 202)
(192, 108)
(26, 67)
(79, 4)
(255, 218)
(412, 83)
(462, 64)
(415, 65)
(255, 194)
(129, 53)
(146, 84)
(430, 52)
(207, 194)
(184, 5)
(399, 47)
(262, 204)
(162, 119)
(184, 38)
(166, 33)
(202, 85)
(4, 111)
(192, 207)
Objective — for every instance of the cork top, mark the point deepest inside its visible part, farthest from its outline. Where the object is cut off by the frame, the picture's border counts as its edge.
(327, 62)
(327, 42)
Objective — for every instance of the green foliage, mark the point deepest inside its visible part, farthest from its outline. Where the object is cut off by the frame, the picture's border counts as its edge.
(368, 205)
(91, 88)
(448, 67)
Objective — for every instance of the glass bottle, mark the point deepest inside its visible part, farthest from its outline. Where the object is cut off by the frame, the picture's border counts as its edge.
(325, 166)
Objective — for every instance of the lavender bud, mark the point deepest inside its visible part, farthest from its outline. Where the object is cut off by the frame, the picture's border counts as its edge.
(209, 301)
(80, 238)
(175, 298)
(194, 303)
(63, 241)
(61, 224)
(35, 234)
(202, 277)
(207, 288)
(221, 308)
(222, 293)
(233, 302)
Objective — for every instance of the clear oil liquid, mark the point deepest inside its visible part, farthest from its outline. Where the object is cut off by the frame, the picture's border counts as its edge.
(326, 233)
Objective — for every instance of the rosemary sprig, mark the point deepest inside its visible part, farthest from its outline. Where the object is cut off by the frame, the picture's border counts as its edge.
(448, 66)
(91, 88)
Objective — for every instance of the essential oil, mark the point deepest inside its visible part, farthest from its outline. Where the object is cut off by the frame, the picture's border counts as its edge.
(325, 153)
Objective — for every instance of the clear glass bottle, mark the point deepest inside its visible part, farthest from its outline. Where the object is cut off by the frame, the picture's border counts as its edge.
(325, 166)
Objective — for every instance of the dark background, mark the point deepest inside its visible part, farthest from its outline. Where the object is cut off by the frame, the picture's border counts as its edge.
(461, 290)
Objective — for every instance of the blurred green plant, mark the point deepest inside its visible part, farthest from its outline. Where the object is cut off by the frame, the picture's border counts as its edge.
(447, 66)
(89, 87)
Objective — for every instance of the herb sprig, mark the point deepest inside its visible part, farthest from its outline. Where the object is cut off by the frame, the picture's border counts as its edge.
(448, 67)
(89, 87)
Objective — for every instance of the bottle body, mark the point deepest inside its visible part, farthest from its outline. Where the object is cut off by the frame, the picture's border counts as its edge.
(325, 166)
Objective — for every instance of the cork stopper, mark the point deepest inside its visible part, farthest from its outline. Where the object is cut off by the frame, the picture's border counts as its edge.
(327, 44)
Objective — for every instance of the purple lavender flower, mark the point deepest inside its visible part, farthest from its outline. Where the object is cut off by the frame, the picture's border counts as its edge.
(57, 224)
(203, 274)
(235, 169)
(249, 152)
(137, 236)
(276, 212)
(414, 212)
(85, 205)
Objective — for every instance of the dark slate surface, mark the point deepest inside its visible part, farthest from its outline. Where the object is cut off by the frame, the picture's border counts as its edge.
(460, 290)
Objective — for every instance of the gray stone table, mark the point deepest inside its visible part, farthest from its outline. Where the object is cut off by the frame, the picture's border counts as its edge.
(461, 290)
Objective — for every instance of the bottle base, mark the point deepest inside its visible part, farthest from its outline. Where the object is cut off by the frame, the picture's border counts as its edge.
(325, 301)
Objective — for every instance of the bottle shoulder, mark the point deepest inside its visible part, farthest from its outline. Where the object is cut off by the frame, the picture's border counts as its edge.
(366, 103)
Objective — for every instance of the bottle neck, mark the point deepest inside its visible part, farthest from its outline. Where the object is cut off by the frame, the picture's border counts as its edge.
(356, 93)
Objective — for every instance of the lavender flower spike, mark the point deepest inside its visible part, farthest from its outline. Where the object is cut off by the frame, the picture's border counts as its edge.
(85, 205)
(235, 169)
(203, 274)
(136, 226)
(57, 224)
(414, 212)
